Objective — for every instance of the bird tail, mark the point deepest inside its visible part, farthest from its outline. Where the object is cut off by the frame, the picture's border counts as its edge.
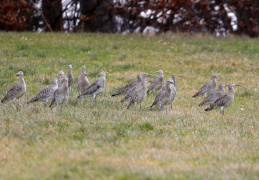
(115, 94)
(195, 95)
(201, 104)
(52, 102)
(79, 97)
(209, 108)
(124, 99)
(3, 100)
(32, 100)
(152, 107)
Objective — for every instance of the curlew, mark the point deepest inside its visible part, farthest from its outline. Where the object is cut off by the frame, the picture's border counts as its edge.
(207, 88)
(225, 100)
(96, 88)
(61, 77)
(174, 91)
(17, 91)
(212, 97)
(70, 77)
(82, 82)
(46, 94)
(157, 84)
(138, 92)
(61, 95)
(127, 88)
(163, 98)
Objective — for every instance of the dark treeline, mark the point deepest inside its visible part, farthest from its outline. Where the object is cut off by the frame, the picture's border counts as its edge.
(213, 16)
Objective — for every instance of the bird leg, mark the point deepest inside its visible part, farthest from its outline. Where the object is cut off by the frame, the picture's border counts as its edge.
(140, 106)
(222, 109)
(136, 105)
(46, 103)
(129, 104)
(61, 107)
(94, 98)
(14, 102)
(153, 93)
(160, 107)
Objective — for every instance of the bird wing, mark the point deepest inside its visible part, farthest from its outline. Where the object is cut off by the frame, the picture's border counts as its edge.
(45, 92)
(92, 88)
(127, 88)
(204, 88)
(156, 82)
(221, 101)
(12, 92)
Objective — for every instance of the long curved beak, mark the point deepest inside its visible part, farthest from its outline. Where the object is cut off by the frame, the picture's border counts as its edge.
(151, 76)
(240, 86)
(181, 76)
(171, 83)
(88, 74)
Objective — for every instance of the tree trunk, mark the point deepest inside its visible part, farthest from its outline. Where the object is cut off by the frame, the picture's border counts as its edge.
(52, 10)
(95, 16)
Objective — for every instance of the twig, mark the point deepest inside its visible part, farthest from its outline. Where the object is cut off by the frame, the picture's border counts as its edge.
(43, 17)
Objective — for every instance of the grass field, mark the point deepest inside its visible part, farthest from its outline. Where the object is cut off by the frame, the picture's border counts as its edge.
(106, 141)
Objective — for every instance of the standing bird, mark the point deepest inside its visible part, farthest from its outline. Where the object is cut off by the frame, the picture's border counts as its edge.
(70, 77)
(17, 91)
(207, 88)
(61, 77)
(61, 95)
(163, 98)
(214, 95)
(82, 82)
(174, 91)
(157, 84)
(138, 92)
(128, 87)
(96, 88)
(47, 93)
(224, 100)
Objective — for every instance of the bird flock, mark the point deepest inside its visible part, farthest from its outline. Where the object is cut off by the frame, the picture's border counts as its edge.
(135, 92)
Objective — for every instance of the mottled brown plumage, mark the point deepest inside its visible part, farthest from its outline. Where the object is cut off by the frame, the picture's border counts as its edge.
(82, 82)
(157, 84)
(212, 97)
(225, 100)
(70, 77)
(61, 95)
(207, 88)
(163, 98)
(17, 91)
(47, 93)
(96, 88)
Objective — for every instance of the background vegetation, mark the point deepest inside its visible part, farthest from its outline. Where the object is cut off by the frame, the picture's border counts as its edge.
(218, 17)
(106, 141)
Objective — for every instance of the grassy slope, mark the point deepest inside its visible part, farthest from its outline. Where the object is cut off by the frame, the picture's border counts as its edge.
(106, 141)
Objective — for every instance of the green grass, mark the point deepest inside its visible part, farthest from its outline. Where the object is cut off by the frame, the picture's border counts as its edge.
(106, 141)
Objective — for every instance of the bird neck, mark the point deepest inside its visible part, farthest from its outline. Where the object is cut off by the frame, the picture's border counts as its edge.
(174, 78)
(21, 79)
(231, 89)
(65, 84)
(221, 88)
(214, 80)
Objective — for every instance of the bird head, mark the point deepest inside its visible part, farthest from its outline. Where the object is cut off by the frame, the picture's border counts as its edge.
(20, 73)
